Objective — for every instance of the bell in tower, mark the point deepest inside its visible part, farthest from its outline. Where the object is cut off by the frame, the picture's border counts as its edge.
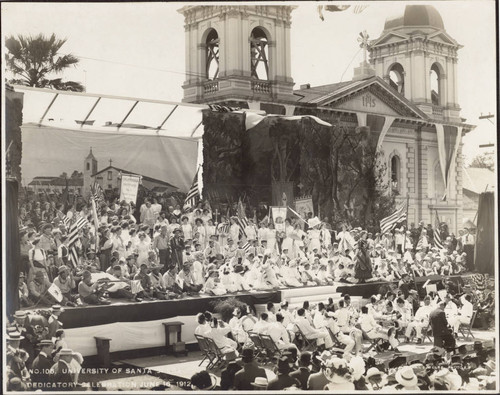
(237, 54)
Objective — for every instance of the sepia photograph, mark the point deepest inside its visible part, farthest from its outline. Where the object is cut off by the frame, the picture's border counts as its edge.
(249, 196)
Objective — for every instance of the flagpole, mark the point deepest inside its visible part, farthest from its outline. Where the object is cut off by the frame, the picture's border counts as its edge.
(404, 236)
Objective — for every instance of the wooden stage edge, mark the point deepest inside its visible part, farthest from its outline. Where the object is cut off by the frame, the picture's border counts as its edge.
(124, 311)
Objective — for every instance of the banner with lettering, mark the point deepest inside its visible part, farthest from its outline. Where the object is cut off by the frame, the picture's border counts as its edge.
(129, 187)
(278, 212)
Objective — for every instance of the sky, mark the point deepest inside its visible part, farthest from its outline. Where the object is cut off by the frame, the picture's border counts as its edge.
(137, 49)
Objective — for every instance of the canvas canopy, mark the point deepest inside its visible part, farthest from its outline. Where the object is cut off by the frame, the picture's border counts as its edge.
(160, 139)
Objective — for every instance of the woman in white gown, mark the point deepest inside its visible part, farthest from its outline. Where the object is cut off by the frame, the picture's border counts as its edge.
(314, 236)
(142, 249)
(298, 238)
(234, 229)
(271, 238)
(202, 232)
(288, 240)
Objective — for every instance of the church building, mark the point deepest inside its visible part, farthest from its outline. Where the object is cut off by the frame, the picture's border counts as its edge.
(406, 92)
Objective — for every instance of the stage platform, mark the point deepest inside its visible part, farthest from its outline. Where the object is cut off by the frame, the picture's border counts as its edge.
(138, 325)
(178, 370)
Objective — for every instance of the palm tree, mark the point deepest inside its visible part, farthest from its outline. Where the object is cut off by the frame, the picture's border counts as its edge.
(34, 59)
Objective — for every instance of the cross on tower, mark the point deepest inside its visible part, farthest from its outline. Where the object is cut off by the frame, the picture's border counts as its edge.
(110, 161)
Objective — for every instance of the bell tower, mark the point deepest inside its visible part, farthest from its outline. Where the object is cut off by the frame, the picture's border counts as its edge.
(89, 168)
(418, 58)
(237, 54)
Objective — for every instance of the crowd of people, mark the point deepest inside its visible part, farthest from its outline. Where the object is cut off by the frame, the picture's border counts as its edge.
(157, 251)
(339, 361)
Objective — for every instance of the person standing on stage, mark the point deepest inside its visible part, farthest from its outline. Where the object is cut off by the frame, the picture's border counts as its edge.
(439, 325)
(468, 242)
(162, 245)
(177, 247)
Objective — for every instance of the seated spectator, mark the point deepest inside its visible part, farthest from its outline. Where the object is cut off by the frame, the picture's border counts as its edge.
(283, 379)
(303, 372)
(38, 288)
(203, 381)
(91, 293)
(65, 282)
(249, 372)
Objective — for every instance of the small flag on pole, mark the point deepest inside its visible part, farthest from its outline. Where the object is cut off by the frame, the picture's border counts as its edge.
(193, 195)
(437, 235)
(55, 292)
(388, 223)
(242, 218)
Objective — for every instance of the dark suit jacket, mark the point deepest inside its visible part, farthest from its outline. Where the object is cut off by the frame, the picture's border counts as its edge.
(317, 381)
(247, 375)
(41, 366)
(439, 324)
(301, 374)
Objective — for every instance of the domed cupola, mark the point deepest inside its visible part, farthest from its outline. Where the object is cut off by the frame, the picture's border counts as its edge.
(415, 16)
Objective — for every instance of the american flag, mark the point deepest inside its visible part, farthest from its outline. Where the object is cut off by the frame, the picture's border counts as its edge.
(219, 108)
(74, 227)
(193, 194)
(246, 246)
(437, 235)
(242, 219)
(388, 223)
(97, 193)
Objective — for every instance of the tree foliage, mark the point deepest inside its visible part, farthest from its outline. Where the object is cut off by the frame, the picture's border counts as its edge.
(484, 161)
(34, 60)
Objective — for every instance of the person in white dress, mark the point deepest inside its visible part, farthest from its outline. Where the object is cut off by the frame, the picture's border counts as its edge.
(187, 229)
(262, 232)
(202, 232)
(271, 238)
(209, 229)
(142, 249)
(288, 240)
(234, 229)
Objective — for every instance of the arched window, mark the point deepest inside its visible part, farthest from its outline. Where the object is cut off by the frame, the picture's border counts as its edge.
(212, 55)
(435, 85)
(259, 65)
(438, 182)
(395, 175)
(397, 78)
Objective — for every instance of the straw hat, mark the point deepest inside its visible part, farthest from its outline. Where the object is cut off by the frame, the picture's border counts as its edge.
(406, 377)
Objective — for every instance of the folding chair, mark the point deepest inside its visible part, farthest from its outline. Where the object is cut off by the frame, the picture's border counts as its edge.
(466, 329)
(426, 333)
(373, 342)
(337, 345)
(270, 346)
(205, 350)
(260, 349)
(307, 344)
(219, 360)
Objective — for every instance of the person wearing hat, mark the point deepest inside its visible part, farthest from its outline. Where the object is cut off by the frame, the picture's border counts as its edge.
(177, 247)
(47, 242)
(16, 357)
(406, 379)
(146, 285)
(375, 378)
(66, 283)
(92, 292)
(283, 379)
(61, 371)
(53, 321)
(38, 288)
(42, 363)
(203, 381)
(249, 372)
(157, 283)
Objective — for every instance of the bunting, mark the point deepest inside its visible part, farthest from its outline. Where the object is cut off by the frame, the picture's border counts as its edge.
(449, 139)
